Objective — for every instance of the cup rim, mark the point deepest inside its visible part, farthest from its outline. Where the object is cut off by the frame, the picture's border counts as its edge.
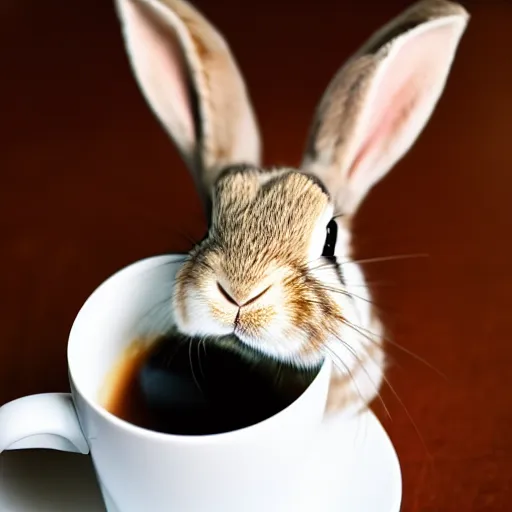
(229, 436)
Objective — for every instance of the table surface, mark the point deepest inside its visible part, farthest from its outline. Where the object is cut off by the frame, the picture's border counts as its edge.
(90, 183)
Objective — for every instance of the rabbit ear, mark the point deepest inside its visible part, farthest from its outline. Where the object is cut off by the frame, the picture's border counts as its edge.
(192, 83)
(379, 102)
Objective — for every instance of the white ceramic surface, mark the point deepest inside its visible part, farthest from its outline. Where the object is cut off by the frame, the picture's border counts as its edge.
(51, 481)
(272, 466)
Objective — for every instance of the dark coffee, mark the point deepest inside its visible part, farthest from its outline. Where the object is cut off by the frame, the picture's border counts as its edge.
(181, 386)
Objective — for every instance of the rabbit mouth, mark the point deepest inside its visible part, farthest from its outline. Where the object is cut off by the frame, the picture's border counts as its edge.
(287, 320)
(288, 350)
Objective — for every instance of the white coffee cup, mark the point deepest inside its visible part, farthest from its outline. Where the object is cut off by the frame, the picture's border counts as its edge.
(264, 467)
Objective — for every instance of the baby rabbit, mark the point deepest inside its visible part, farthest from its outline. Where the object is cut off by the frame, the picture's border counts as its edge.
(275, 268)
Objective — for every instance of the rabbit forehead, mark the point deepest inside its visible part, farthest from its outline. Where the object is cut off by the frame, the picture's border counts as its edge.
(263, 219)
(283, 204)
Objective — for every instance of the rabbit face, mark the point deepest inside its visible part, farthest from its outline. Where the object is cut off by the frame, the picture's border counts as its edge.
(270, 268)
(266, 271)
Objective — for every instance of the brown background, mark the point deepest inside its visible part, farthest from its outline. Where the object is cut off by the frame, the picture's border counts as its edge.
(89, 183)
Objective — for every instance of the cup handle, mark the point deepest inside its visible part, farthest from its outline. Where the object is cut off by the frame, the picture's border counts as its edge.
(47, 420)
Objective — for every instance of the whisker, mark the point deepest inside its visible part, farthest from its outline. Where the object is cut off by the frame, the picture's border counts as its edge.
(157, 317)
(369, 335)
(278, 374)
(415, 426)
(311, 301)
(192, 366)
(204, 347)
(366, 260)
(322, 265)
(350, 295)
(184, 258)
(342, 366)
(341, 319)
(400, 401)
(170, 355)
(362, 366)
(201, 340)
(365, 284)
(372, 284)
(188, 238)
(387, 258)
(345, 367)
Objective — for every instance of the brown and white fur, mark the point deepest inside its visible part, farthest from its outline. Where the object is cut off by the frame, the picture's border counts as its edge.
(260, 273)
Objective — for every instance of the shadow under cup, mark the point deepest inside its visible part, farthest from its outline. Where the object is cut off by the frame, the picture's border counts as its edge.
(136, 467)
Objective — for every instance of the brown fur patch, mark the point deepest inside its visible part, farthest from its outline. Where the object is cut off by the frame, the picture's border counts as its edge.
(262, 226)
(255, 319)
(261, 230)
(341, 392)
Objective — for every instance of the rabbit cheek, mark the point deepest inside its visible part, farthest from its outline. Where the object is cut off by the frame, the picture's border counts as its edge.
(222, 315)
(179, 300)
(267, 330)
(254, 321)
(203, 317)
(195, 312)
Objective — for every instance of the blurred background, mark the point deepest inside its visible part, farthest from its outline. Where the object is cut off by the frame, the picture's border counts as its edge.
(90, 183)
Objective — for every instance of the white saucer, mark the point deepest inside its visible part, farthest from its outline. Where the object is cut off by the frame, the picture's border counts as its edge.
(51, 481)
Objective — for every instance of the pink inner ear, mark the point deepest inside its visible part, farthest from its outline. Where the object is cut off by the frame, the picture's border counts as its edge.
(384, 124)
(402, 103)
(160, 68)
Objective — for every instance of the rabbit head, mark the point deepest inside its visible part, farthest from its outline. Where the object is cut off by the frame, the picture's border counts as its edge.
(275, 268)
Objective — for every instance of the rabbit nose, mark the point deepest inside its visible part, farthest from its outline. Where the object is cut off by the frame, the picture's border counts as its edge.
(226, 295)
(240, 304)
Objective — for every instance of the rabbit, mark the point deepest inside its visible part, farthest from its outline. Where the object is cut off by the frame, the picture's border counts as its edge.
(275, 270)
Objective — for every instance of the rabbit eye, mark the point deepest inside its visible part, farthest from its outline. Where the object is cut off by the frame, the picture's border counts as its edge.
(330, 239)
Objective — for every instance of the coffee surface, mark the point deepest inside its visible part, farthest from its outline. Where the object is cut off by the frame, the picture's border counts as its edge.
(177, 385)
